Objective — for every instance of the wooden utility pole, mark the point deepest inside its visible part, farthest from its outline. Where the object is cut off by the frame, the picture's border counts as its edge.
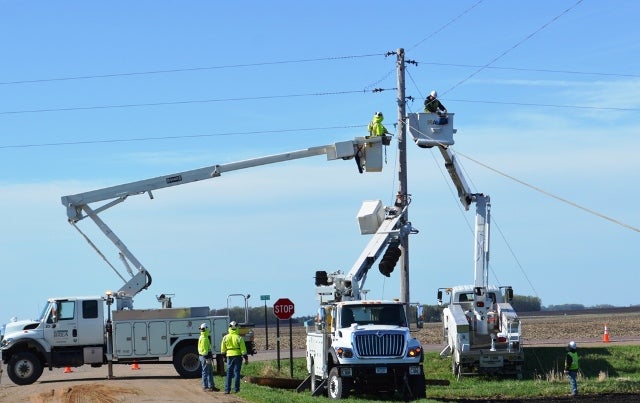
(403, 193)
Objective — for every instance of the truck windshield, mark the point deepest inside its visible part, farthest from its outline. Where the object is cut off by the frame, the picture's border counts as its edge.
(43, 313)
(374, 314)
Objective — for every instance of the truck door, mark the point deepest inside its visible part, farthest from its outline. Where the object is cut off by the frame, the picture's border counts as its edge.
(158, 342)
(91, 323)
(61, 329)
(140, 342)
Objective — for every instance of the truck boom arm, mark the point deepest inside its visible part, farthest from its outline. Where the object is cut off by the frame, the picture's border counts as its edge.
(366, 151)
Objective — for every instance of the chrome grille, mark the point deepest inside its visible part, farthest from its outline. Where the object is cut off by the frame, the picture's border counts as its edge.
(379, 344)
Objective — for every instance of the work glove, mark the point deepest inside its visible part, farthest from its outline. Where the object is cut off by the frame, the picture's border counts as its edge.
(246, 359)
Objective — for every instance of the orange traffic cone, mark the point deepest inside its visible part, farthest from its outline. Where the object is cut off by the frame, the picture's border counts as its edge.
(135, 365)
(605, 336)
(67, 370)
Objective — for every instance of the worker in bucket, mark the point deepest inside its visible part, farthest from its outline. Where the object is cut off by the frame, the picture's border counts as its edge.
(433, 105)
(206, 359)
(572, 366)
(376, 128)
(234, 350)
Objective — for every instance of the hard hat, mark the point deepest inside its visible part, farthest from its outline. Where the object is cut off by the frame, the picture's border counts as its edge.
(203, 326)
(434, 93)
(233, 325)
(572, 345)
(379, 114)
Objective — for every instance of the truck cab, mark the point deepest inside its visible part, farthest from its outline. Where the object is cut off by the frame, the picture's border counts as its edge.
(363, 346)
(68, 332)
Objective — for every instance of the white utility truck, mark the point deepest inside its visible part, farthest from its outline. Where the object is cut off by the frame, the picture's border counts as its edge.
(481, 328)
(359, 345)
(74, 331)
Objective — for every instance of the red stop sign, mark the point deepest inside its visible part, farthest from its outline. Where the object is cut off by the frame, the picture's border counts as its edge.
(283, 308)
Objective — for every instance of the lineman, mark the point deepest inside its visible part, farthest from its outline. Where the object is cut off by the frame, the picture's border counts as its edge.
(206, 359)
(376, 128)
(234, 349)
(572, 366)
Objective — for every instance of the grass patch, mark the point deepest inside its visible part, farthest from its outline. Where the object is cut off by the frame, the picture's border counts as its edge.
(604, 370)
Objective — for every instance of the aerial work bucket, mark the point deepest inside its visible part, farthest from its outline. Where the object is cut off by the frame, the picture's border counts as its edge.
(427, 132)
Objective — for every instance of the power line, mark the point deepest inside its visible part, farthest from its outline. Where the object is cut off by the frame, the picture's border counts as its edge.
(543, 105)
(192, 101)
(451, 21)
(576, 72)
(501, 55)
(188, 69)
(238, 99)
(193, 136)
(537, 189)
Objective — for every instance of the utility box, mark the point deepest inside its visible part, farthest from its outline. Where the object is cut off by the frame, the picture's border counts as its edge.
(370, 216)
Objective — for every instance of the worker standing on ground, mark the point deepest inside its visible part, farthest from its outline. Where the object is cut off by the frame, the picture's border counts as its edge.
(572, 367)
(206, 359)
(235, 351)
(376, 128)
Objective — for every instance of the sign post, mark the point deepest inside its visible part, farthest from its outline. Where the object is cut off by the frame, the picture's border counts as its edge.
(284, 309)
(265, 298)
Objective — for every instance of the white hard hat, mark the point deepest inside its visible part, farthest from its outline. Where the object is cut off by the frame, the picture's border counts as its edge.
(378, 114)
(203, 326)
(434, 93)
(572, 345)
(233, 325)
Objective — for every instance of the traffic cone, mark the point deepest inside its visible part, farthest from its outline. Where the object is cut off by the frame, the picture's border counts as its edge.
(135, 365)
(605, 336)
(67, 370)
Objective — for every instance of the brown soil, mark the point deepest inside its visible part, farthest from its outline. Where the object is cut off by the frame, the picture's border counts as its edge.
(160, 383)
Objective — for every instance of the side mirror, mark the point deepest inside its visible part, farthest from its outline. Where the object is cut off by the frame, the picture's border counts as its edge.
(509, 294)
(420, 316)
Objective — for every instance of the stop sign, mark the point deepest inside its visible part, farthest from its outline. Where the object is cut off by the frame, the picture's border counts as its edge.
(283, 308)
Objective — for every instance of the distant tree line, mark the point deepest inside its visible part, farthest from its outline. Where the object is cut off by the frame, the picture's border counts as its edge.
(431, 313)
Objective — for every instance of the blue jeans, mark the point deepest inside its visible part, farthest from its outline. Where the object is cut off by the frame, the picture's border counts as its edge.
(207, 373)
(573, 381)
(234, 364)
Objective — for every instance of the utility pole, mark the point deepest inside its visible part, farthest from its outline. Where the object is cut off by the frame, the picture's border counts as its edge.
(403, 193)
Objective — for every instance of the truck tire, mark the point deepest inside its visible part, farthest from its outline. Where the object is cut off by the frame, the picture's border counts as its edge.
(187, 363)
(336, 387)
(24, 368)
(418, 387)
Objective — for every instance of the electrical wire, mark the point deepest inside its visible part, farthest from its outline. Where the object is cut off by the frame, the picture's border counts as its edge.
(72, 143)
(193, 101)
(507, 51)
(546, 193)
(187, 69)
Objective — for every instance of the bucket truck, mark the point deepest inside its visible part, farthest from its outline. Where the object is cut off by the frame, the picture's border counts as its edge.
(74, 331)
(359, 345)
(481, 328)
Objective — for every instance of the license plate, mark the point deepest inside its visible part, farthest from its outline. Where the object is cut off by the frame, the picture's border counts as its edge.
(381, 370)
(494, 361)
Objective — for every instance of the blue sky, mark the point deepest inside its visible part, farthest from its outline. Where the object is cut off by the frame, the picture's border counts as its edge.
(99, 94)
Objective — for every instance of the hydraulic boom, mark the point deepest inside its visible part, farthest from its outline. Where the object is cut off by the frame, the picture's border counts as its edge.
(366, 151)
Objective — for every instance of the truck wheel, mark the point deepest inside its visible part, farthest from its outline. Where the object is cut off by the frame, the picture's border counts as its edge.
(24, 368)
(336, 388)
(418, 387)
(187, 363)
